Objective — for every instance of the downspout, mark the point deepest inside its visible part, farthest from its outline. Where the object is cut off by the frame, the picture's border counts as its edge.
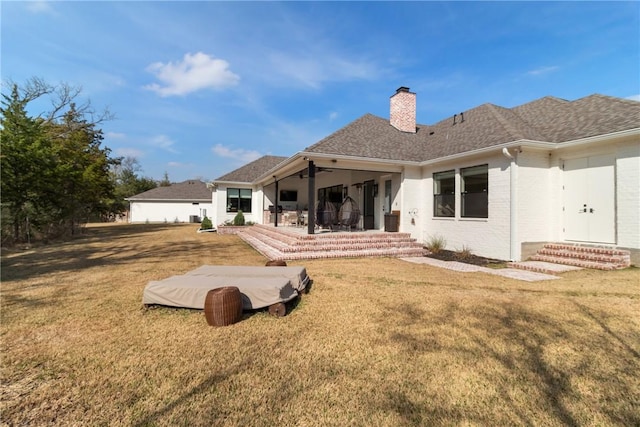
(514, 249)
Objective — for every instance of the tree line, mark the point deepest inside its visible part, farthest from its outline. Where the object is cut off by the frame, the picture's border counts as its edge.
(56, 174)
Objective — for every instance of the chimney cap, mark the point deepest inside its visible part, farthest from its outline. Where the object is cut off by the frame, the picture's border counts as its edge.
(402, 89)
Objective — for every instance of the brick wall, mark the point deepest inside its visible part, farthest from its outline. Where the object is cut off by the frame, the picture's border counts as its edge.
(403, 111)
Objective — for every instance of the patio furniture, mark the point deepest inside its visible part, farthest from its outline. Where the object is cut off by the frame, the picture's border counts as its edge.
(259, 287)
(223, 306)
(349, 213)
(326, 214)
(276, 263)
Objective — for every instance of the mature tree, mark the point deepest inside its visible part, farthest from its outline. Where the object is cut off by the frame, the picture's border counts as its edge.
(24, 152)
(54, 171)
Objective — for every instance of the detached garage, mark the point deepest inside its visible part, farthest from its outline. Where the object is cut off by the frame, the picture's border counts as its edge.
(187, 201)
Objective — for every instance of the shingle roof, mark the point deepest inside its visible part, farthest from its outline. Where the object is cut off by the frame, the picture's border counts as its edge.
(191, 190)
(252, 171)
(547, 119)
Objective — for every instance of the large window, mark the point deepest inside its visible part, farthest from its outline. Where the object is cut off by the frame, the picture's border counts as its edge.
(238, 199)
(444, 194)
(474, 192)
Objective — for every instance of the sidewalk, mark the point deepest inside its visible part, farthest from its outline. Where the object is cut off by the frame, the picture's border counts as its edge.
(512, 273)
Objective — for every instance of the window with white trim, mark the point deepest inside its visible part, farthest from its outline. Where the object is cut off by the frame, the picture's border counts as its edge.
(474, 192)
(444, 194)
(238, 199)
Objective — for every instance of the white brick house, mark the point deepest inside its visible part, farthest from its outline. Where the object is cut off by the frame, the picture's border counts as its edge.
(498, 181)
(187, 201)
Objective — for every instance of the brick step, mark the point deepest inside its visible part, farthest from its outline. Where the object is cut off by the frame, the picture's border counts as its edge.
(542, 267)
(586, 249)
(355, 241)
(607, 258)
(576, 262)
(321, 235)
(277, 247)
(332, 245)
(266, 239)
(275, 235)
(360, 239)
(351, 246)
(392, 253)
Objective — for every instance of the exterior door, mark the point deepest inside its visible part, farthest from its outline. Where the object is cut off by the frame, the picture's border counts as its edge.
(589, 199)
(368, 208)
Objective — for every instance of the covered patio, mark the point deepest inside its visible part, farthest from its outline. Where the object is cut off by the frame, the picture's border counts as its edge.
(342, 196)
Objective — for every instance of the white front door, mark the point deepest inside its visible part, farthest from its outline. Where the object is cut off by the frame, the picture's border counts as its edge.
(589, 199)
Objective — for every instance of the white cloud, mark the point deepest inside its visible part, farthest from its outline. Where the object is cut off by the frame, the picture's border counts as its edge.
(195, 72)
(543, 70)
(114, 135)
(164, 142)
(634, 97)
(179, 165)
(333, 115)
(129, 152)
(245, 156)
(40, 7)
(312, 69)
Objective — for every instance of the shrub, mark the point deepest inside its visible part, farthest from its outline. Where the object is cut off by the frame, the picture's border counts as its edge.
(206, 224)
(436, 244)
(465, 253)
(239, 219)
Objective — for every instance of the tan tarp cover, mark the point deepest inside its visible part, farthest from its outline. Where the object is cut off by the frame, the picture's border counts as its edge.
(259, 286)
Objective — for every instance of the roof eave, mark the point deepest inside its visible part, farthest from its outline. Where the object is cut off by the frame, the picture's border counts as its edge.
(536, 145)
(142, 199)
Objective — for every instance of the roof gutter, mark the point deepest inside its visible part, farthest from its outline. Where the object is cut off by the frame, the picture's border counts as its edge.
(306, 156)
(136, 199)
(552, 146)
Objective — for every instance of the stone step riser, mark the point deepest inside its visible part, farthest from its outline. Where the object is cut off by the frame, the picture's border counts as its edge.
(355, 239)
(529, 268)
(584, 256)
(578, 262)
(274, 254)
(333, 248)
(586, 249)
(592, 257)
(336, 247)
(333, 240)
(278, 245)
(318, 244)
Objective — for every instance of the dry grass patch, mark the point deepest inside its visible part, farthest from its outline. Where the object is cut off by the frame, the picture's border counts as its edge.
(376, 342)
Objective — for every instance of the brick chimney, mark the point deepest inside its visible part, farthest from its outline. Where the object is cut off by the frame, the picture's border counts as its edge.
(403, 110)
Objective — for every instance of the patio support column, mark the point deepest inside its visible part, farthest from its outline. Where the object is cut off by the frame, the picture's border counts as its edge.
(311, 222)
(275, 208)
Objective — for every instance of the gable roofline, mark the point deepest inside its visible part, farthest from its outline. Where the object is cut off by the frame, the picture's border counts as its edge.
(250, 172)
(191, 190)
(138, 199)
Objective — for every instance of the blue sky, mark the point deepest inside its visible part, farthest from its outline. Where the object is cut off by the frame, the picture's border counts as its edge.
(201, 88)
